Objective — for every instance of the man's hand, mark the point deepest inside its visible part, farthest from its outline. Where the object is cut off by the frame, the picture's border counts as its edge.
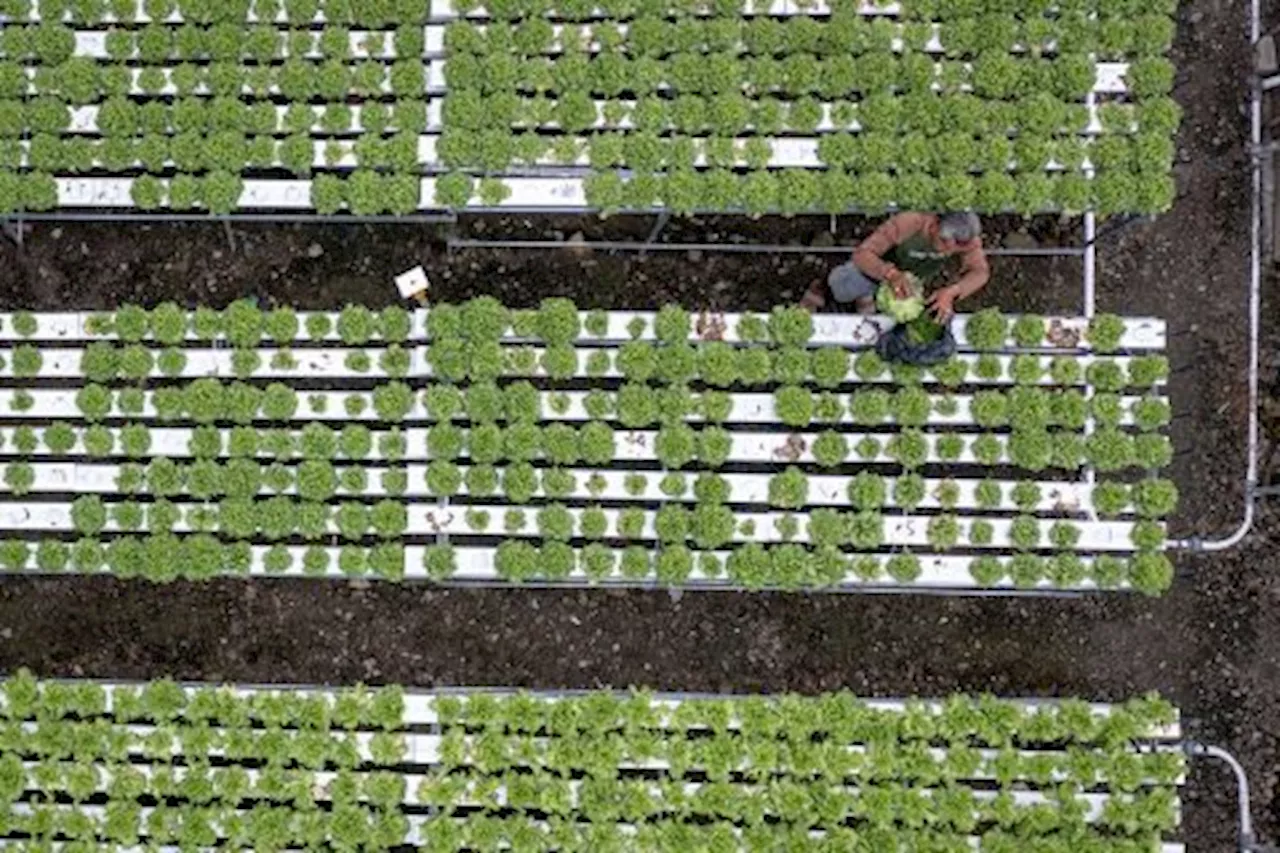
(897, 279)
(943, 303)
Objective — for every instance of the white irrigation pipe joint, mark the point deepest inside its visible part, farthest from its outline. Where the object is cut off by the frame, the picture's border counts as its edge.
(1196, 543)
(1248, 840)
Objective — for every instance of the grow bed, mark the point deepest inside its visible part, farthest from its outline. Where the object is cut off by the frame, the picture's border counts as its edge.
(372, 108)
(476, 444)
(164, 765)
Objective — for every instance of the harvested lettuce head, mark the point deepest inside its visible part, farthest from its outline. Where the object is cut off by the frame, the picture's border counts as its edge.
(901, 310)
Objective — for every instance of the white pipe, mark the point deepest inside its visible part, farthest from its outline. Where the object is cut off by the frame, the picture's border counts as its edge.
(1090, 306)
(1247, 839)
(1194, 543)
(1090, 264)
(1090, 234)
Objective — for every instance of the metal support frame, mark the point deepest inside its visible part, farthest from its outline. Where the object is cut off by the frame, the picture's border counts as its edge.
(726, 587)
(233, 218)
(1089, 297)
(1092, 235)
(763, 248)
(1256, 152)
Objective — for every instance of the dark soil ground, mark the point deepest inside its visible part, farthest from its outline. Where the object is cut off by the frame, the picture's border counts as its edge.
(1212, 644)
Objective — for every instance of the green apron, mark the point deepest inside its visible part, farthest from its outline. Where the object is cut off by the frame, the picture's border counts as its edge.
(917, 256)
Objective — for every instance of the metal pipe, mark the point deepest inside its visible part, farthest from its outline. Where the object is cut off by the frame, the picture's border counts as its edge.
(1090, 249)
(655, 586)
(692, 586)
(316, 218)
(1090, 263)
(629, 246)
(1031, 702)
(1195, 543)
(1247, 839)
(1089, 305)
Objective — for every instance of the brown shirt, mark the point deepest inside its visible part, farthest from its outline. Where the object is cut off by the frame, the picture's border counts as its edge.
(869, 256)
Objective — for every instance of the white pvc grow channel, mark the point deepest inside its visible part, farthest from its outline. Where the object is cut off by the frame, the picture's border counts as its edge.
(102, 196)
(1064, 334)
(422, 732)
(56, 477)
(824, 490)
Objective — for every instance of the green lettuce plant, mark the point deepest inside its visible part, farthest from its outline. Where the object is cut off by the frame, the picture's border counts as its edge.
(1151, 413)
(1026, 570)
(1151, 574)
(1028, 330)
(1104, 332)
(637, 361)
(443, 478)
(909, 491)
(1153, 498)
(911, 406)
(789, 490)
(711, 525)
(903, 568)
(717, 364)
(830, 449)
(909, 448)
(986, 330)
(637, 406)
(866, 490)
(1148, 370)
(446, 441)
(791, 365)
(754, 366)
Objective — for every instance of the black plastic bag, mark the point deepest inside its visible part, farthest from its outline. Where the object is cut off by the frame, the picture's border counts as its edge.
(921, 342)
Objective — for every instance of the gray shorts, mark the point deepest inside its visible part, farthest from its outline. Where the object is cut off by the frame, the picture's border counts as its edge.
(848, 283)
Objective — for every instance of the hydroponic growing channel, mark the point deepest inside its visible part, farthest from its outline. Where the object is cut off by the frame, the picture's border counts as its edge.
(472, 443)
(505, 465)
(393, 107)
(171, 767)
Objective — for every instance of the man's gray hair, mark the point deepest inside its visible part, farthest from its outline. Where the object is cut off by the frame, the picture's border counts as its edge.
(961, 227)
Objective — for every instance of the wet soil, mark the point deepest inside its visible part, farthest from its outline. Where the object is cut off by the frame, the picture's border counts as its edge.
(1212, 644)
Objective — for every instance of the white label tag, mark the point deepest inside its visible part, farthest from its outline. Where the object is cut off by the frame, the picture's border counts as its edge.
(412, 283)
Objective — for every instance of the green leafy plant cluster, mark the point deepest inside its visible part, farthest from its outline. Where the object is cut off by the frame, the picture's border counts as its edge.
(669, 110)
(503, 441)
(242, 324)
(1148, 572)
(189, 106)
(207, 401)
(166, 557)
(244, 494)
(744, 768)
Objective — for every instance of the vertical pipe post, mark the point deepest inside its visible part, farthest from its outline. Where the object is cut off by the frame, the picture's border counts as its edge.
(1090, 264)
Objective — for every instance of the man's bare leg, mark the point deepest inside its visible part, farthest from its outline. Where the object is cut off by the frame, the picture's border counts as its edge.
(815, 297)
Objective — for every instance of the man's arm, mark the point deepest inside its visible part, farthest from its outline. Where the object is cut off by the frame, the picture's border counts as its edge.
(974, 271)
(974, 276)
(869, 256)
